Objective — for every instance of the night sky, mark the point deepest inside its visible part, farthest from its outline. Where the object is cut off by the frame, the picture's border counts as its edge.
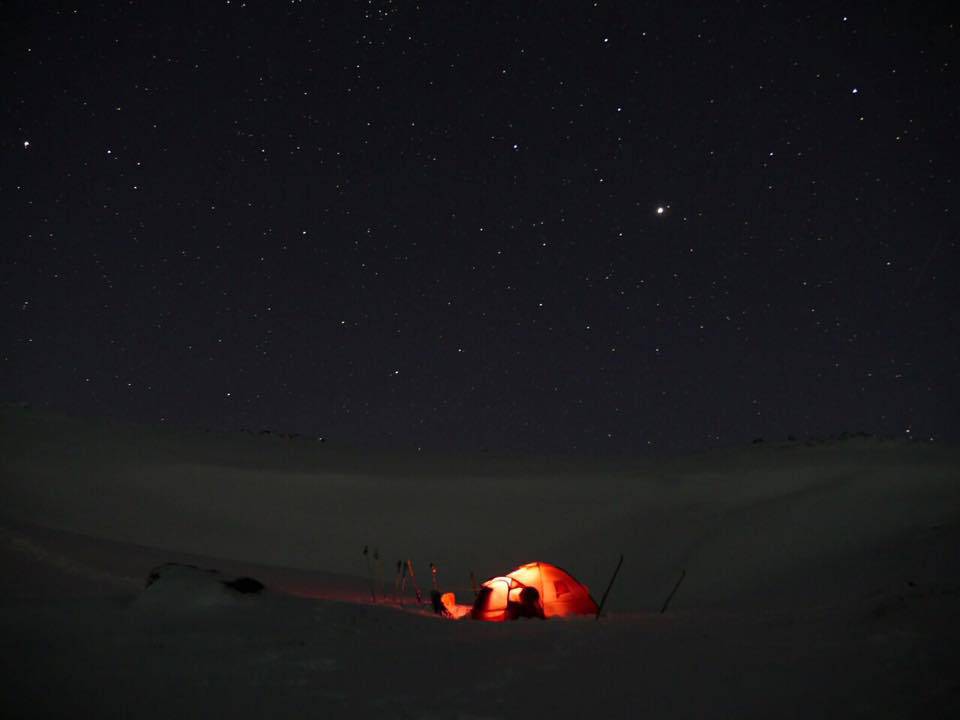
(578, 227)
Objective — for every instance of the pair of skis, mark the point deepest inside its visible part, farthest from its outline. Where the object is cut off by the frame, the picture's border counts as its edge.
(404, 573)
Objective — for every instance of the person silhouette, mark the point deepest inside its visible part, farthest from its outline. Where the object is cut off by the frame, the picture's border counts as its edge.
(528, 605)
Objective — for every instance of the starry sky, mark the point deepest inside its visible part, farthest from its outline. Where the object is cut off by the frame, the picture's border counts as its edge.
(548, 227)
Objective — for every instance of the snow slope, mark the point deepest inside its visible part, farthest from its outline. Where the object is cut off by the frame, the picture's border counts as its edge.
(819, 579)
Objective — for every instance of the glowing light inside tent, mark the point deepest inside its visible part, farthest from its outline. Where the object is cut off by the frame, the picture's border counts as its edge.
(555, 593)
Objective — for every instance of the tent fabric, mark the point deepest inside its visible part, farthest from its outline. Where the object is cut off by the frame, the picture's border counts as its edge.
(557, 594)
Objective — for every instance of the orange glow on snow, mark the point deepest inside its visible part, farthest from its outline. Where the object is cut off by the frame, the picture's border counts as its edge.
(455, 611)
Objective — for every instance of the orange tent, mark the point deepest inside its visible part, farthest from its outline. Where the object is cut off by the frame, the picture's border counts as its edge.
(554, 593)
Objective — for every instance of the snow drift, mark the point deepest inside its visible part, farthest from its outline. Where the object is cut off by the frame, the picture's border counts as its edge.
(818, 579)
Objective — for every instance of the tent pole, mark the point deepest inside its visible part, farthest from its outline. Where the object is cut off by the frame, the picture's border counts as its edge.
(540, 575)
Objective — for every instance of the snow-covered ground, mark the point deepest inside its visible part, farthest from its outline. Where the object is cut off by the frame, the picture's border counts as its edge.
(820, 580)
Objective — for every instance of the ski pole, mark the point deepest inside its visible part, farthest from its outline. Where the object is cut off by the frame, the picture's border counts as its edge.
(683, 574)
(413, 580)
(609, 585)
(378, 572)
(366, 558)
(402, 567)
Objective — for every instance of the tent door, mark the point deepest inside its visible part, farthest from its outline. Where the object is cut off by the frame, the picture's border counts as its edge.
(499, 592)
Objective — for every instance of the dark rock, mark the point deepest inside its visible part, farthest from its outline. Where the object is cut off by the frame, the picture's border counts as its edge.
(244, 585)
(179, 587)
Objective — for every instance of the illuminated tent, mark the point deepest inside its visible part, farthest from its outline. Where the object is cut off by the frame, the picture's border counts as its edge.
(556, 594)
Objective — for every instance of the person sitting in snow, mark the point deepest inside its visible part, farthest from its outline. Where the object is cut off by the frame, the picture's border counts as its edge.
(528, 606)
